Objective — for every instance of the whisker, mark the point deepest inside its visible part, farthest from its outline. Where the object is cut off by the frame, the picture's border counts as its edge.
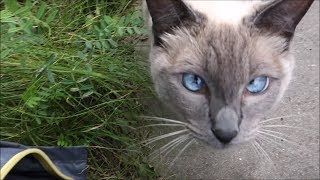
(151, 140)
(181, 151)
(176, 145)
(276, 132)
(255, 150)
(168, 145)
(281, 138)
(286, 140)
(284, 126)
(272, 142)
(158, 151)
(162, 119)
(155, 125)
(305, 130)
(275, 118)
(258, 149)
(263, 152)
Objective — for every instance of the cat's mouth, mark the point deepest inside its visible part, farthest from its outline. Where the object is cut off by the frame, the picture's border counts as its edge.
(207, 137)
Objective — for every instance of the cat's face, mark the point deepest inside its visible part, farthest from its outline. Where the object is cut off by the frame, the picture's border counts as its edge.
(221, 78)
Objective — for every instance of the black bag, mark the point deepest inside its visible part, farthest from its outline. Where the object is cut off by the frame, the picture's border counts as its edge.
(42, 163)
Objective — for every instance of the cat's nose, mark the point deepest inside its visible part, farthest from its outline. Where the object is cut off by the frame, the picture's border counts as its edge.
(224, 136)
(225, 126)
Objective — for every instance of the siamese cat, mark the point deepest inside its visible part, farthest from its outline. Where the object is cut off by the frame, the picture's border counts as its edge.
(221, 65)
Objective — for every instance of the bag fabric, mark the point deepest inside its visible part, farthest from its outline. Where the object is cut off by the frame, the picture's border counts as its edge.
(40, 162)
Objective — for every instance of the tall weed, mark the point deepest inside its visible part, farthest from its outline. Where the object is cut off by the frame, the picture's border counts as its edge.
(69, 76)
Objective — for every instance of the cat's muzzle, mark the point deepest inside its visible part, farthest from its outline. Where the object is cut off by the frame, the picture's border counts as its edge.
(225, 126)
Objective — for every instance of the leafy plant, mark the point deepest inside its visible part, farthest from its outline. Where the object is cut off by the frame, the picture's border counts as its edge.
(69, 76)
(104, 32)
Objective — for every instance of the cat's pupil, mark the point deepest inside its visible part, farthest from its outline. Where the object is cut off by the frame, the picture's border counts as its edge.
(259, 84)
(197, 80)
(192, 82)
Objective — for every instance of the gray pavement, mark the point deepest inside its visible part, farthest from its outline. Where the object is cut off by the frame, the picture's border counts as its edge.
(289, 161)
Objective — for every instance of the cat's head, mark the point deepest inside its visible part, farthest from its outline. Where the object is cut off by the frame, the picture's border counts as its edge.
(222, 77)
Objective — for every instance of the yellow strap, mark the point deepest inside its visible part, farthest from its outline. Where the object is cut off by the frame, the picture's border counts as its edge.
(42, 158)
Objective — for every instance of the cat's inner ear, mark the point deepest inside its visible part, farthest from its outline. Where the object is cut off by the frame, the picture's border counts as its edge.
(282, 17)
(167, 15)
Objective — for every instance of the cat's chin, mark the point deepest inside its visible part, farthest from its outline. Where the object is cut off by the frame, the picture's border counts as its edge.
(212, 142)
(216, 144)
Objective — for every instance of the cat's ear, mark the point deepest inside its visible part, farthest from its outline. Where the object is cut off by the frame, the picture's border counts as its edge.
(167, 15)
(282, 17)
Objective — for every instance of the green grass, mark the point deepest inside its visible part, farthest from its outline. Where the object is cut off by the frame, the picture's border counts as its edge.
(69, 76)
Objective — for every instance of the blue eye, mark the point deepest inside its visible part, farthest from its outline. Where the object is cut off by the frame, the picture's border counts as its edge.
(192, 82)
(258, 85)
